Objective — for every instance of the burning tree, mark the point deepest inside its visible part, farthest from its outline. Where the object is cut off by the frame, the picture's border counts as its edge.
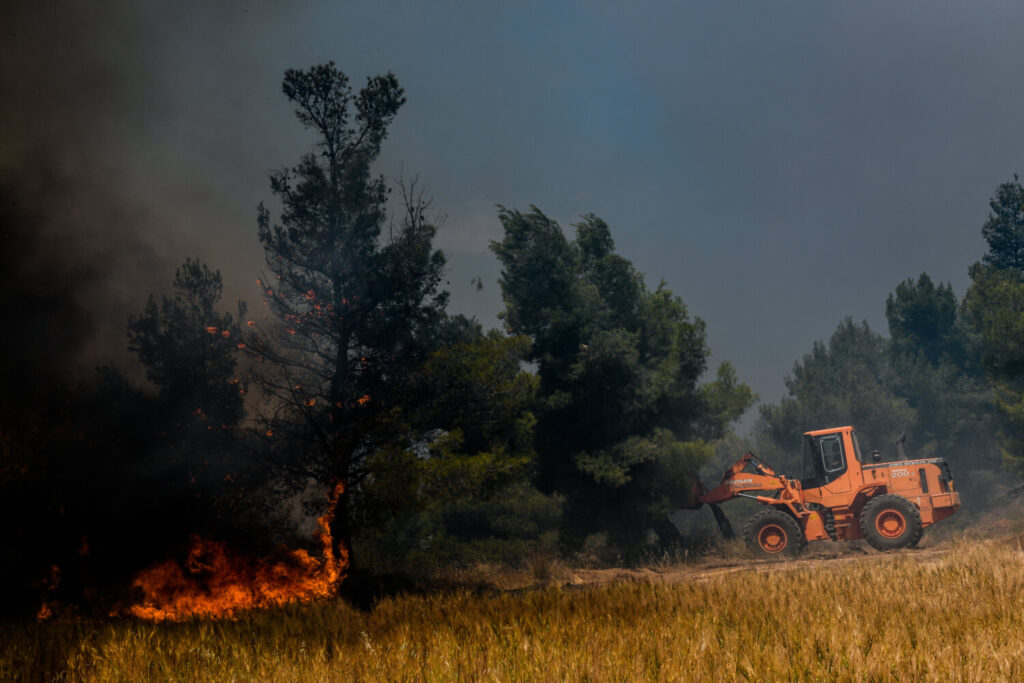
(352, 306)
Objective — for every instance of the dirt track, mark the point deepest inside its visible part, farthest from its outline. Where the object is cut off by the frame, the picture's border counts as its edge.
(704, 570)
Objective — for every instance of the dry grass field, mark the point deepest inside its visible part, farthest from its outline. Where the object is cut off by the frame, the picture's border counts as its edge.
(951, 612)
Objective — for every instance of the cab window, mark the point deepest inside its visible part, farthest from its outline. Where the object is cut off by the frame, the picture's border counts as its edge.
(832, 452)
(824, 460)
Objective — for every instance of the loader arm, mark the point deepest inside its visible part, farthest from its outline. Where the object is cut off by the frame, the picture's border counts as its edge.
(737, 483)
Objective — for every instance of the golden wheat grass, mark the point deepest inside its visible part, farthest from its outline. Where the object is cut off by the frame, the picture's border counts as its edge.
(910, 616)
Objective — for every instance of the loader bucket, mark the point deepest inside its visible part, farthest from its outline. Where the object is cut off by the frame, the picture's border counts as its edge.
(723, 522)
(692, 501)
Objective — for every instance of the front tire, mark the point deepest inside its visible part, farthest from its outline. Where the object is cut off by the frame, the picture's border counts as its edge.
(891, 522)
(773, 533)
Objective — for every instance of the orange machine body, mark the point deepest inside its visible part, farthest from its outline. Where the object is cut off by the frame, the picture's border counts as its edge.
(830, 500)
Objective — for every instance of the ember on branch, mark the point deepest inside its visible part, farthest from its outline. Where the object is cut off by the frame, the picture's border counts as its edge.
(214, 582)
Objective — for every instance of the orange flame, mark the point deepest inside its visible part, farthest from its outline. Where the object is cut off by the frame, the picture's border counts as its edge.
(215, 582)
(50, 583)
(45, 612)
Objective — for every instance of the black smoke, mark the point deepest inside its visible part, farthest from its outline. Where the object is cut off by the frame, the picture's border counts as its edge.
(93, 478)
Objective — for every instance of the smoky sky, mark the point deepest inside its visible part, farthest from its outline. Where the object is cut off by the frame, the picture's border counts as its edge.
(780, 165)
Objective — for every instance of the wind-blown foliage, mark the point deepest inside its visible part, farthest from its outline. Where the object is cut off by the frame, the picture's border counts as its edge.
(189, 349)
(938, 372)
(623, 420)
(457, 488)
(994, 308)
(1004, 229)
(353, 308)
(846, 381)
(919, 383)
(923, 320)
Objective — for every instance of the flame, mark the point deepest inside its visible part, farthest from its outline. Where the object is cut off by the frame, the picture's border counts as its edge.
(211, 329)
(45, 612)
(214, 582)
(49, 583)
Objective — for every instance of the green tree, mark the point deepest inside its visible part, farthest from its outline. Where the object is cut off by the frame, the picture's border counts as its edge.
(847, 381)
(190, 349)
(937, 371)
(188, 433)
(923, 320)
(994, 311)
(1004, 229)
(354, 309)
(623, 420)
(468, 410)
(994, 307)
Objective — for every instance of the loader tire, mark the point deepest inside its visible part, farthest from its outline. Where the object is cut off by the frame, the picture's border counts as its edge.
(891, 522)
(773, 533)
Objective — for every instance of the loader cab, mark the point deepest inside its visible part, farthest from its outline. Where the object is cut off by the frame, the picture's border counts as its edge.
(826, 457)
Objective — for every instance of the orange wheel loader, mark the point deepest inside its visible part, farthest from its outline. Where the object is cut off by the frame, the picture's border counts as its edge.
(840, 497)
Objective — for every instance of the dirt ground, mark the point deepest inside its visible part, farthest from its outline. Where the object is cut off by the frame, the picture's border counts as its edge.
(705, 569)
(1001, 521)
(732, 557)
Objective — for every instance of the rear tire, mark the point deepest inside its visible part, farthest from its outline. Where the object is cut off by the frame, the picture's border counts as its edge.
(773, 533)
(891, 522)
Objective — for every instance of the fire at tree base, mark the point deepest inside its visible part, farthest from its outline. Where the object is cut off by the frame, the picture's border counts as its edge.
(213, 582)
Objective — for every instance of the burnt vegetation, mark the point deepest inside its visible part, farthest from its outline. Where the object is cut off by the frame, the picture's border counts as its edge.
(573, 432)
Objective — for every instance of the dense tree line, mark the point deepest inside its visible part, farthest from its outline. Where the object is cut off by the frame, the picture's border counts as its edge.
(575, 429)
(950, 376)
(623, 420)
(434, 427)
